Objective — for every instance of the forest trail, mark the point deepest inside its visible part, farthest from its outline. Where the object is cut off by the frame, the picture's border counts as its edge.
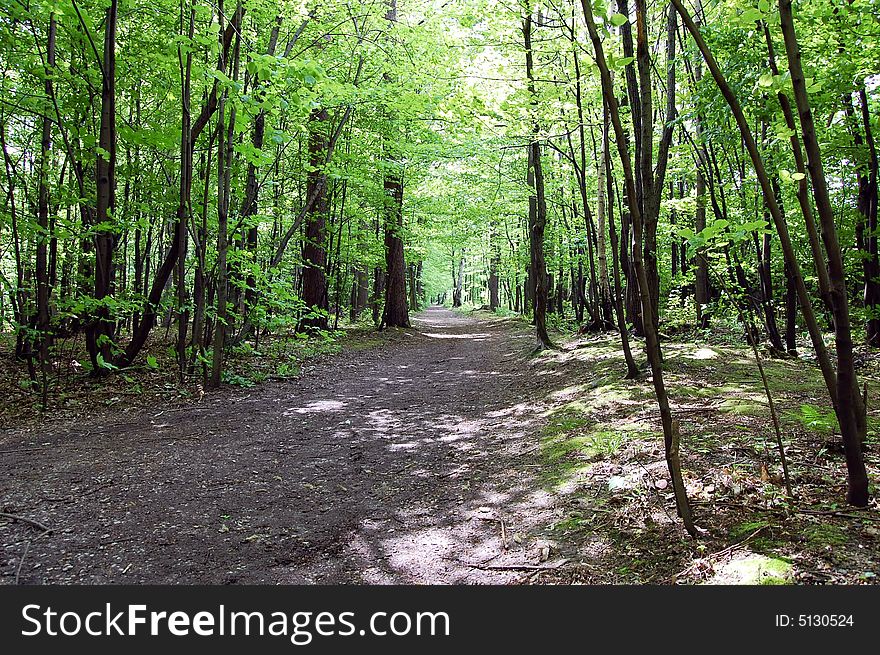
(410, 463)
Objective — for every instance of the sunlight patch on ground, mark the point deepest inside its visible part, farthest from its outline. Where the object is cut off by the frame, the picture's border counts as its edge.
(750, 569)
(492, 497)
(480, 336)
(317, 407)
(408, 445)
(610, 395)
(569, 393)
(514, 410)
(704, 353)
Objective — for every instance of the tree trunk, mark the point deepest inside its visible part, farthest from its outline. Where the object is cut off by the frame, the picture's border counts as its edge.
(803, 193)
(850, 413)
(378, 291)
(396, 312)
(494, 300)
(188, 137)
(632, 369)
(99, 336)
(765, 276)
(225, 144)
(360, 292)
(604, 287)
(845, 416)
(790, 313)
(457, 280)
(867, 206)
(42, 264)
(537, 204)
(652, 344)
(314, 253)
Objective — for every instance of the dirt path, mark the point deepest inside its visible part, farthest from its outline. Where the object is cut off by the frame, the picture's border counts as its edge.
(411, 463)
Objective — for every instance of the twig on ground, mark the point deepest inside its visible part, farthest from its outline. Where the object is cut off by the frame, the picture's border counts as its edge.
(23, 519)
(838, 514)
(792, 510)
(732, 547)
(520, 567)
(722, 552)
(27, 547)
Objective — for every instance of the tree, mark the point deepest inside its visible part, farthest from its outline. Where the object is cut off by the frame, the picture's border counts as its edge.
(652, 345)
(537, 203)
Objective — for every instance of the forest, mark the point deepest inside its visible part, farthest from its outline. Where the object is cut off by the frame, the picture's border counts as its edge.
(444, 291)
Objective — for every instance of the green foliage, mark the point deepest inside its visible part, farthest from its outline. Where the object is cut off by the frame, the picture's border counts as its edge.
(817, 419)
(238, 380)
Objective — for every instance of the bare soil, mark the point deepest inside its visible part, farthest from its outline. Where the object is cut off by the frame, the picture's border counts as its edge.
(445, 454)
(403, 463)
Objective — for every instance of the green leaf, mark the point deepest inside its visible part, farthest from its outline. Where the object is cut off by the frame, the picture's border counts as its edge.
(750, 16)
(618, 19)
(152, 362)
(102, 363)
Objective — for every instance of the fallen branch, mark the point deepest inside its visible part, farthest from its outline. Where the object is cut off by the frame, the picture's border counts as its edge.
(520, 567)
(722, 552)
(838, 514)
(21, 562)
(729, 549)
(22, 519)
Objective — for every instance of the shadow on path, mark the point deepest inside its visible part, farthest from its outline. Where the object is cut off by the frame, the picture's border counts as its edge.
(414, 463)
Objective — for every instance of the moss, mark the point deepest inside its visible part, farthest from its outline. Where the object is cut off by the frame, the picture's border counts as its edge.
(558, 449)
(684, 391)
(567, 432)
(575, 523)
(363, 343)
(566, 419)
(745, 529)
(792, 376)
(742, 407)
(775, 571)
(571, 439)
(792, 385)
(560, 442)
(821, 536)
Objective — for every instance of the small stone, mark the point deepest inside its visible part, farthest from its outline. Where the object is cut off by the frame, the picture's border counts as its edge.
(615, 482)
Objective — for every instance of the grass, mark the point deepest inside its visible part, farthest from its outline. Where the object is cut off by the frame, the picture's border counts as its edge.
(572, 439)
(600, 426)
